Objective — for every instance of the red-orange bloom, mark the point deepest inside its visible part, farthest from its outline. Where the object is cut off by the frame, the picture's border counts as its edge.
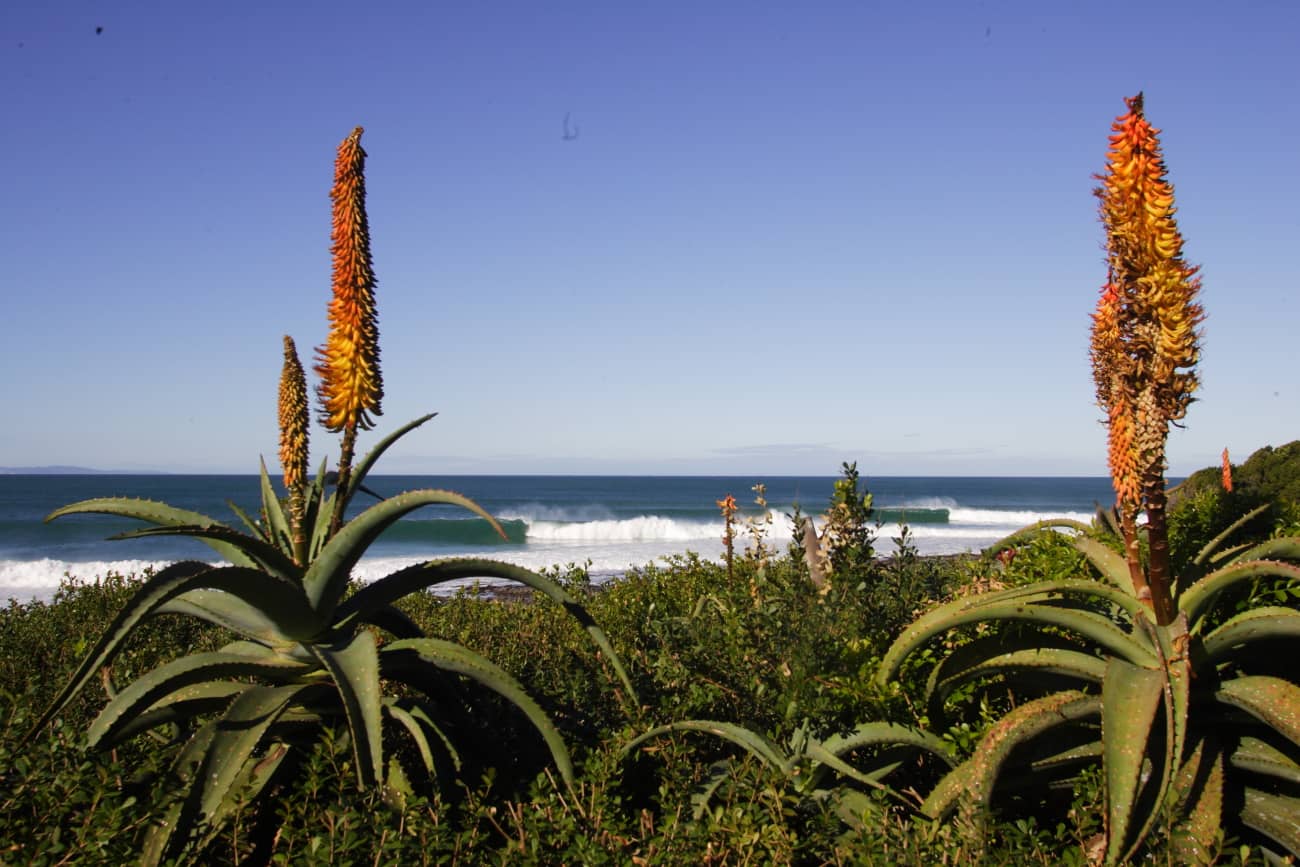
(351, 387)
(1227, 472)
(1144, 338)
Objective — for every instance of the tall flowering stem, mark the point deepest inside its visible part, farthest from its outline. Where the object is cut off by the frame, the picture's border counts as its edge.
(1227, 473)
(351, 387)
(1145, 341)
(295, 418)
(729, 509)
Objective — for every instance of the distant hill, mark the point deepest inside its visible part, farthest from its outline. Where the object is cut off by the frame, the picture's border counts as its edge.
(59, 470)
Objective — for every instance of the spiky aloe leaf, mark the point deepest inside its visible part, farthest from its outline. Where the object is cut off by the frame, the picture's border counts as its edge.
(277, 525)
(362, 467)
(1110, 563)
(750, 741)
(1208, 550)
(230, 612)
(1197, 600)
(977, 776)
(263, 554)
(280, 600)
(1130, 698)
(221, 750)
(393, 621)
(413, 728)
(1010, 605)
(354, 665)
(411, 655)
(182, 706)
(327, 577)
(254, 528)
(830, 753)
(1271, 700)
(1034, 530)
(142, 693)
(374, 596)
(1248, 628)
(1260, 757)
(1273, 815)
(1282, 548)
(1198, 788)
(157, 513)
(1002, 655)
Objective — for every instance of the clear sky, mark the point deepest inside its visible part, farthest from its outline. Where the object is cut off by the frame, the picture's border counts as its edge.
(782, 235)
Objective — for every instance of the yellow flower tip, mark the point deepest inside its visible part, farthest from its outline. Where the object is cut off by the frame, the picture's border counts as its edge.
(294, 418)
(351, 388)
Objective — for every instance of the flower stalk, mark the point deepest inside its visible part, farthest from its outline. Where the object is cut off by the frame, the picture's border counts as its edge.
(351, 388)
(295, 418)
(1145, 343)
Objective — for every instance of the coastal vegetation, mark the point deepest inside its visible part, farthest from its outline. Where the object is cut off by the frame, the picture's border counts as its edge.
(1077, 694)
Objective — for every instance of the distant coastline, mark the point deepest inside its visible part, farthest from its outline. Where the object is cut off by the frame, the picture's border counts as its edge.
(59, 470)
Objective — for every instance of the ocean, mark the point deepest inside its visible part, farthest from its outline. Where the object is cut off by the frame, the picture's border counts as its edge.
(612, 523)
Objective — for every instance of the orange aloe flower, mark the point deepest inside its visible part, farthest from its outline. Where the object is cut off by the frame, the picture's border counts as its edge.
(1227, 473)
(294, 419)
(1145, 343)
(351, 386)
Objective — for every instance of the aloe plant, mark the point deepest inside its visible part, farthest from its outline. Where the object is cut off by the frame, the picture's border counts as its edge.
(1192, 710)
(305, 655)
(810, 764)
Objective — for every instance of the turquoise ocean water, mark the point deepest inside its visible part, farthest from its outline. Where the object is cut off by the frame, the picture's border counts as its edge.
(613, 522)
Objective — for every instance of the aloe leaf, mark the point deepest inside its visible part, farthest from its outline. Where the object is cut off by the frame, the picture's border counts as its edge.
(1282, 548)
(155, 513)
(362, 467)
(1260, 757)
(166, 583)
(719, 773)
(1199, 784)
(1000, 655)
(393, 621)
(829, 754)
(1197, 599)
(228, 612)
(1028, 533)
(402, 583)
(1130, 698)
(354, 665)
(1271, 700)
(320, 526)
(1250, 627)
(1110, 563)
(977, 776)
(254, 529)
(277, 524)
(272, 599)
(210, 764)
(183, 705)
(1209, 549)
(413, 728)
(1274, 816)
(449, 656)
(144, 691)
(327, 577)
(750, 741)
(263, 554)
(1001, 606)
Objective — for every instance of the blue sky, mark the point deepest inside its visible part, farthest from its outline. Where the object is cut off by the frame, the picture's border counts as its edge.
(786, 235)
